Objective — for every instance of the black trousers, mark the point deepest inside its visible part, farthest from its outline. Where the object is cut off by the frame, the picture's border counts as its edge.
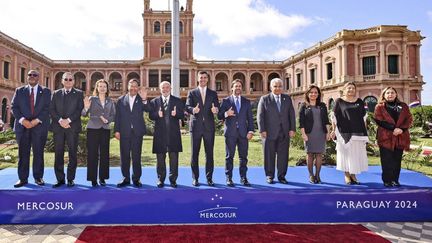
(35, 139)
(208, 137)
(173, 166)
(390, 164)
(230, 145)
(98, 141)
(276, 151)
(131, 147)
(71, 139)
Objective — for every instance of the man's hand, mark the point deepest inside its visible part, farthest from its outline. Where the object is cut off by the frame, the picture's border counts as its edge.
(305, 137)
(291, 134)
(34, 122)
(117, 135)
(174, 112)
(27, 124)
(230, 112)
(214, 109)
(249, 136)
(143, 93)
(263, 134)
(160, 112)
(196, 109)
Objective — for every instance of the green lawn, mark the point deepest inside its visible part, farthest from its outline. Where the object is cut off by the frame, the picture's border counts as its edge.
(255, 155)
(423, 141)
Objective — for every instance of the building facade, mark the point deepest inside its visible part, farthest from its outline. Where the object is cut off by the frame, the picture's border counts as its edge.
(374, 58)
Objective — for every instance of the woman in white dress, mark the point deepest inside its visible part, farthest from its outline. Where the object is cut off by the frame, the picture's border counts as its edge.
(349, 129)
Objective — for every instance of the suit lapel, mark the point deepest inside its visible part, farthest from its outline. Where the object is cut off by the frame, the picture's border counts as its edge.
(126, 103)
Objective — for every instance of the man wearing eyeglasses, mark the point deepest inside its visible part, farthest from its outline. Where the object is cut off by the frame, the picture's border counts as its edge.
(276, 124)
(65, 109)
(30, 108)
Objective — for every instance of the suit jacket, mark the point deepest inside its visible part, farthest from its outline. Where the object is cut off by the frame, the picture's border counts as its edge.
(167, 135)
(203, 120)
(242, 122)
(125, 119)
(306, 117)
(66, 106)
(270, 120)
(21, 107)
(385, 137)
(96, 110)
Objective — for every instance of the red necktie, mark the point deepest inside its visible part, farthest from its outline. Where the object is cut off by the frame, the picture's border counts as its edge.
(32, 101)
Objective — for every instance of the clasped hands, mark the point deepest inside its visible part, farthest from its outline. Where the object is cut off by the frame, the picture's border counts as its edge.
(30, 124)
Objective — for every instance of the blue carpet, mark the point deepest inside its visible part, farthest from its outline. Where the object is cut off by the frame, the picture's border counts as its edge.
(297, 179)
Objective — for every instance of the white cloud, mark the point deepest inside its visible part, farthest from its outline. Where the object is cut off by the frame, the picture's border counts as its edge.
(202, 58)
(245, 20)
(286, 50)
(110, 23)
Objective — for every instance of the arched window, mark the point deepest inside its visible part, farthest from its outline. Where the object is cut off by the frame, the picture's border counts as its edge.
(168, 27)
(156, 27)
(181, 27)
(370, 102)
(168, 48)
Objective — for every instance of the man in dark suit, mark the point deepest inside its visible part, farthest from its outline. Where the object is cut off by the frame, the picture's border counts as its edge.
(236, 111)
(130, 128)
(167, 111)
(202, 103)
(65, 110)
(30, 107)
(276, 124)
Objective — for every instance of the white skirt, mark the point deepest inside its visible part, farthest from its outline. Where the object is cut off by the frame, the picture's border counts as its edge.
(352, 156)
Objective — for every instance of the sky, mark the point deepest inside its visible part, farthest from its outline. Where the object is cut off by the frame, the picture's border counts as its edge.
(223, 29)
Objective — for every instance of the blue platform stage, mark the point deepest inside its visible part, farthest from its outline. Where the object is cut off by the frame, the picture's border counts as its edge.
(299, 201)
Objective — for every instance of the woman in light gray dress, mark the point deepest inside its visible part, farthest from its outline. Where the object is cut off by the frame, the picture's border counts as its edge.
(314, 126)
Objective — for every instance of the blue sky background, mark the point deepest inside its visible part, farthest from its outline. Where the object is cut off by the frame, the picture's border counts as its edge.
(223, 29)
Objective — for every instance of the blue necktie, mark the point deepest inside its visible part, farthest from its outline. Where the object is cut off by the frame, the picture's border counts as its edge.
(237, 104)
(278, 103)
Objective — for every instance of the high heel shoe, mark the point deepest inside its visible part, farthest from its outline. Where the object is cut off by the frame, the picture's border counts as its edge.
(312, 179)
(348, 180)
(354, 180)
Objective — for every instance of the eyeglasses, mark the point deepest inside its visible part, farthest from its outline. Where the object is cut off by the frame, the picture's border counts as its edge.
(32, 74)
(68, 79)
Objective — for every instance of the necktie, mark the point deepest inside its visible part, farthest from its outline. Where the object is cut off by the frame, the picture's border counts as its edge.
(165, 104)
(278, 103)
(237, 104)
(32, 101)
(67, 92)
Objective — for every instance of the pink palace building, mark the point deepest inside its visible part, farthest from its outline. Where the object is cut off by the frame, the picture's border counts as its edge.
(374, 58)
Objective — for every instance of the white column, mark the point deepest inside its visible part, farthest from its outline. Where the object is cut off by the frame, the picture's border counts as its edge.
(175, 50)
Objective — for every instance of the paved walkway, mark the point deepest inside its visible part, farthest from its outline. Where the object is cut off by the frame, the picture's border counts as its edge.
(393, 231)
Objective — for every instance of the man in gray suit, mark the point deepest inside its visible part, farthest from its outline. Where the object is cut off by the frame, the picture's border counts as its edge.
(276, 124)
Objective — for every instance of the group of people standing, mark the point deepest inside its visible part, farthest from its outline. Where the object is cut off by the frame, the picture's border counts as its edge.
(36, 111)
(348, 128)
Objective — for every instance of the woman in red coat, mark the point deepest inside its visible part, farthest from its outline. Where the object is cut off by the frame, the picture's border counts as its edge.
(394, 120)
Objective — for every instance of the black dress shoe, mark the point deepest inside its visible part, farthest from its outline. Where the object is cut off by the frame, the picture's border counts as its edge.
(388, 184)
(270, 180)
(123, 183)
(70, 183)
(94, 184)
(283, 180)
(173, 184)
(230, 183)
(40, 182)
(210, 182)
(102, 182)
(395, 184)
(160, 184)
(195, 182)
(245, 182)
(137, 183)
(20, 183)
(58, 184)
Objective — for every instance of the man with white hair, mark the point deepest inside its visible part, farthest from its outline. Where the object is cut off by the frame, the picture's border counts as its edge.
(276, 124)
(65, 110)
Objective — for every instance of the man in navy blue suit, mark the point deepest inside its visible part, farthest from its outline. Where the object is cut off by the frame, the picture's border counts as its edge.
(236, 111)
(30, 107)
(130, 128)
(202, 103)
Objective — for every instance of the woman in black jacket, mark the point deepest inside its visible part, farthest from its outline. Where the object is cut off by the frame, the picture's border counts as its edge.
(314, 126)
